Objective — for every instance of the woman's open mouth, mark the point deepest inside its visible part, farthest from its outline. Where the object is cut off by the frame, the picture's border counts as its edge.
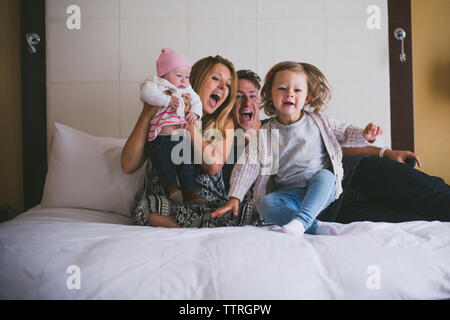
(214, 99)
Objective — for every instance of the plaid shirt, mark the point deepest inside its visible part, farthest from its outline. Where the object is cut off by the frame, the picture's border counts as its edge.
(261, 162)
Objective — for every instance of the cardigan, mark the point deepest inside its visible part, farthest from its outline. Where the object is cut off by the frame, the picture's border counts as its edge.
(260, 160)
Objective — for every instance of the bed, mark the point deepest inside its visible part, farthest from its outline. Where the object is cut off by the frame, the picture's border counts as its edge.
(79, 243)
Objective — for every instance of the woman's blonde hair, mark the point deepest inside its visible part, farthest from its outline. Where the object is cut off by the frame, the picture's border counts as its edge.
(199, 72)
(319, 92)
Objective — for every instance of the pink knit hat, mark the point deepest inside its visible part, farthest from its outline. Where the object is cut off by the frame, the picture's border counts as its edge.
(169, 60)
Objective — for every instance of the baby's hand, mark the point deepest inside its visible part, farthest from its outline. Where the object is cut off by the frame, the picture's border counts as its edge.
(191, 117)
(174, 103)
(371, 132)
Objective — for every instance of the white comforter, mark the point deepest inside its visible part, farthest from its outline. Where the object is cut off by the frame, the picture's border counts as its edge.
(84, 254)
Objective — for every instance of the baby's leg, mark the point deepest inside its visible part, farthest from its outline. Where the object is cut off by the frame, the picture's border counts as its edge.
(186, 176)
(186, 169)
(160, 154)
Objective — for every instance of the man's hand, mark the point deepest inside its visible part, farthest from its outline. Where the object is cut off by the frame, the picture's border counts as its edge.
(401, 156)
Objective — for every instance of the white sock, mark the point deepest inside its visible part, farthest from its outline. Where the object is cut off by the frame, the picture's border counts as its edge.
(294, 228)
(326, 229)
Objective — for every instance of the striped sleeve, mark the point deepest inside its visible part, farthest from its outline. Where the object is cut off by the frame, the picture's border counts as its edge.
(245, 171)
(346, 134)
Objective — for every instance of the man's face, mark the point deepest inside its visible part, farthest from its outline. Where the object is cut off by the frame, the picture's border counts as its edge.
(246, 107)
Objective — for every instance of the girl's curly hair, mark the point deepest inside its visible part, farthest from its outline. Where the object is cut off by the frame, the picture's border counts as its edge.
(319, 92)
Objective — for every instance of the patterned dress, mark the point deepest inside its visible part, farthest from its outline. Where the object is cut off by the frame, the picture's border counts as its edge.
(211, 188)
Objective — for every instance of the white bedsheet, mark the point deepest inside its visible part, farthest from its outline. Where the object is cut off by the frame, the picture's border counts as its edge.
(119, 261)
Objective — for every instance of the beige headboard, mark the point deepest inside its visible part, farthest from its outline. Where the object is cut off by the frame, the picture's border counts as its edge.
(93, 73)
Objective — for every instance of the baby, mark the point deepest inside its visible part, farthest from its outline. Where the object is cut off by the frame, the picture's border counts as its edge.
(165, 91)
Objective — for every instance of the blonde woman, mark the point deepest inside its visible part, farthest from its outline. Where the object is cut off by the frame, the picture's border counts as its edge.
(215, 81)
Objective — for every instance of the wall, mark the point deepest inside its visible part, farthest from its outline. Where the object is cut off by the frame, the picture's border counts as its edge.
(11, 185)
(431, 72)
(93, 74)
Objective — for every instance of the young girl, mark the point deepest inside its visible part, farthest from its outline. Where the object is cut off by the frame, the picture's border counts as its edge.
(165, 91)
(310, 170)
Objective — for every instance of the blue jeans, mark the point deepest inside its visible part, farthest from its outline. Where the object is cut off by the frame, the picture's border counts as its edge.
(305, 204)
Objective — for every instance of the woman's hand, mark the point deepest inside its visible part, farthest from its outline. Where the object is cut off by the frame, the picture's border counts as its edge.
(232, 204)
(191, 117)
(401, 156)
(187, 102)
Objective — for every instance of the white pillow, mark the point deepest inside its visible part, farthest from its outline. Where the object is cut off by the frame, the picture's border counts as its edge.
(84, 172)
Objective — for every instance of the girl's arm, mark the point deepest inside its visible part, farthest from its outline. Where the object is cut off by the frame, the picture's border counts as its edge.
(346, 133)
(396, 155)
(214, 154)
(245, 172)
(132, 157)
(231, 205)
